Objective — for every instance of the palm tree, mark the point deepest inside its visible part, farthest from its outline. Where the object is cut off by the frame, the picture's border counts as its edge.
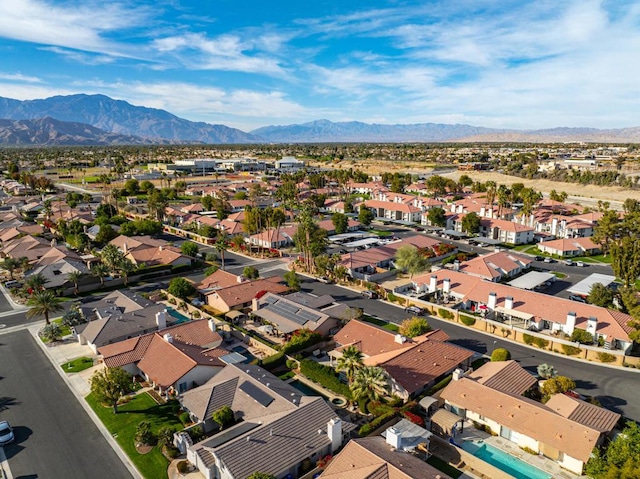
(125, 267)
(547, 371)
(9, 264)
(350, 362)
(370, 382)
(74, 277)
(112, 257)
(36, 282)
(43, 303)
(221, 246)
(100, 270)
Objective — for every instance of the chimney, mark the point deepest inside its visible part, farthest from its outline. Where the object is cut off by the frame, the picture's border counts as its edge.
(433, 283)
(482, 212)
(592, 324)
(456, 265)
(446, 285)
(160, 248)
(457, 374)
(554, 226)
(255, 304)
(400, 339)
(508, 302)
(125, 248)
(493, 300)
(161, 319)
(239, 278)
(334, 432)
(571, 322)
(212, 325)
(168, 338)
(394, 437)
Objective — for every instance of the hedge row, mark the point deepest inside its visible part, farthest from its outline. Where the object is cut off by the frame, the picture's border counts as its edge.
(301, 341)
(468, 320)
(325, 376)
(273, 361)
(376, 423)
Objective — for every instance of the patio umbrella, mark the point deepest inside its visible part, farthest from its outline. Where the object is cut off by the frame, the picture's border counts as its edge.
(266, 328)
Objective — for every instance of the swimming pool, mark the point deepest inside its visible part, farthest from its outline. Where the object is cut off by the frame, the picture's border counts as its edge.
(181, 318)
(503, 461)
(306, 390)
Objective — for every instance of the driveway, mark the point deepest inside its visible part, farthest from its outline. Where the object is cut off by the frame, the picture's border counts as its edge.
(54, 436)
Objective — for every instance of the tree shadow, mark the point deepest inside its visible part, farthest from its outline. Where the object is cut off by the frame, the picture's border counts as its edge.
(612, 403)
(586, 385)
(473, 344)
(6, 402)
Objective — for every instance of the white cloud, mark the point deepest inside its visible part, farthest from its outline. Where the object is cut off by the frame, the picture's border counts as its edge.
(18, 77)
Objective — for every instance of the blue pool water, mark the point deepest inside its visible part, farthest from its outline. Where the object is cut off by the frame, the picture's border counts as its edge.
(239, 349)
(181, 318)
(306, 390)
(503, 461)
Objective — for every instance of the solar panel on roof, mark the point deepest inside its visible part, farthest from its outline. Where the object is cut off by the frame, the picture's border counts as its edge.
(256, 394)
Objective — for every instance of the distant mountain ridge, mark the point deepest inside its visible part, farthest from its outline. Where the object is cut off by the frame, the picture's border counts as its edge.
(142, 125)
(51, 132)
(120, 117)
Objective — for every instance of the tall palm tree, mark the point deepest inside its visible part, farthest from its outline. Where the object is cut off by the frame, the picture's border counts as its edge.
(75, 277)
(43, 303)
(125, 267)
(10, 264)
(221, 246)
(370, 382)
(350, 362)
(100, 270)
(36, 282)
(112, 257)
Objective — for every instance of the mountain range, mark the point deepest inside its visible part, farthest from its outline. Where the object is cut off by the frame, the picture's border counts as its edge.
(99, 120)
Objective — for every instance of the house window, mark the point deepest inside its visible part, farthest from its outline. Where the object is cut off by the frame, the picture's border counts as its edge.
(481, 417)
(182, 387)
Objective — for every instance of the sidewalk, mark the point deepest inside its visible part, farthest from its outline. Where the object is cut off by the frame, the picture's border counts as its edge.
(64, 351)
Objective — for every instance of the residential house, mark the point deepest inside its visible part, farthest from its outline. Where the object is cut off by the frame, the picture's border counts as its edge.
(565, 432)
(508, 232)
(56, 265)
(395, 211)
(496, 266)
(148, 251)
(30, 247)
(217, 280)
(412, 364)
(273, 420)
(173, 359)
(241, 295)
(274, 238)
(566, 248)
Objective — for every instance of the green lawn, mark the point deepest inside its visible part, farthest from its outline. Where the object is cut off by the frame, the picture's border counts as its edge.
(77, 365)
(596, 259)
(382, 234)
(122, 427)
(526, 248)
(559, 275)
(379, 322)
(66, 330)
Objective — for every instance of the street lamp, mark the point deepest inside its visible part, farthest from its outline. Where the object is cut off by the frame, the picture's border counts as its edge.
(494, 346)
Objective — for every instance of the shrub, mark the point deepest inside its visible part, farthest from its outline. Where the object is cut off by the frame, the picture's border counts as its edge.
(144, 434)
(273, 361)
(196, 314)
(378, 408)
(196, 433)
(581, 336)
(467, 320)
(392, 297)
(445, 314)
(291, 364)
(223, 416)
(375, 424)
(500, 354)
(540, 342)
(181, 288)
(440, 385)
(172, 301)
(325, 376)
(413, 327)
(571, 350)
(527, 339)
(302, 339)
(414, 418)
(183, 467)
(185, 418)
(171, 452)
(606, 357)
(363, 404)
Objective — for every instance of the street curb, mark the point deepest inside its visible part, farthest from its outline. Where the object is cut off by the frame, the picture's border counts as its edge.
(33, 330)
(15, 306)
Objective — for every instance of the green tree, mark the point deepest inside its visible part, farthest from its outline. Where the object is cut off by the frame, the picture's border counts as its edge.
(43, 303)
(207, 203)
(144, 434)
(370, 382)
(437, 217)
(437, 184)
(112, 257)
(600, 295)
(500, 354)
(409, 260)
(471, 223)
(581, 336)
(292, 280)
(181, 288)
(74, 277)
(221, 246)
(125, 267)
(223, 416)
(625, 259)
(621, 459)
(556, 385)
(189, 248)
(365, 216)
(132, 187)
(465, 181)
(413, 327)
(73, 317)
(100, 271)
(10, 264)
(350, 361)
(109, 384)
(340, 222)
(250, 272)
(106, 234)
(36, 282)
(157, 204)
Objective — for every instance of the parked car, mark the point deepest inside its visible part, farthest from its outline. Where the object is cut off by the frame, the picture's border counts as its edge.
(324, 279)
(569, 262)
(582, 264)
(548, 260)
(538, 258)
(196, 302)
(579, 299)
(414, 310)
(369, 294)
(6, 433)
(13, 284)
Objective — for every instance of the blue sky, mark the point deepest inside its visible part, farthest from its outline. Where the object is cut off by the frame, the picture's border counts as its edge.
(508, 63)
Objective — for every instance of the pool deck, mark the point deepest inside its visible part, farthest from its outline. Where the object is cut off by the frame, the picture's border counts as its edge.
(551, 467)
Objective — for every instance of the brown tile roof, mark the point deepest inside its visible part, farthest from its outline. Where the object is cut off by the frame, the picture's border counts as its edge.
(524, 416)
(372, 458)
(218, 279)
(572, 244)
(369, 339)
(584, 413)
(155, 255)
(244, 292)
(493, 264)
(505, 376)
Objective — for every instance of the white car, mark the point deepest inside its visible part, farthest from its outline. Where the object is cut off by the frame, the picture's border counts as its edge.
(580, 263)
(6, 433)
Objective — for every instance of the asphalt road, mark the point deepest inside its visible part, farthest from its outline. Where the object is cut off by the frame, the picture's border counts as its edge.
(54, 436)
(615, 388)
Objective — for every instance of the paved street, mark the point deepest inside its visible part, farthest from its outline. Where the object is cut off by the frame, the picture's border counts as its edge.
(54, 436)
(615, 388)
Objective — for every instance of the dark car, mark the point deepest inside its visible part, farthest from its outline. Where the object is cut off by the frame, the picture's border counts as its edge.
(369, 294)
(579, 299)
(538, 258)
(415, 310)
